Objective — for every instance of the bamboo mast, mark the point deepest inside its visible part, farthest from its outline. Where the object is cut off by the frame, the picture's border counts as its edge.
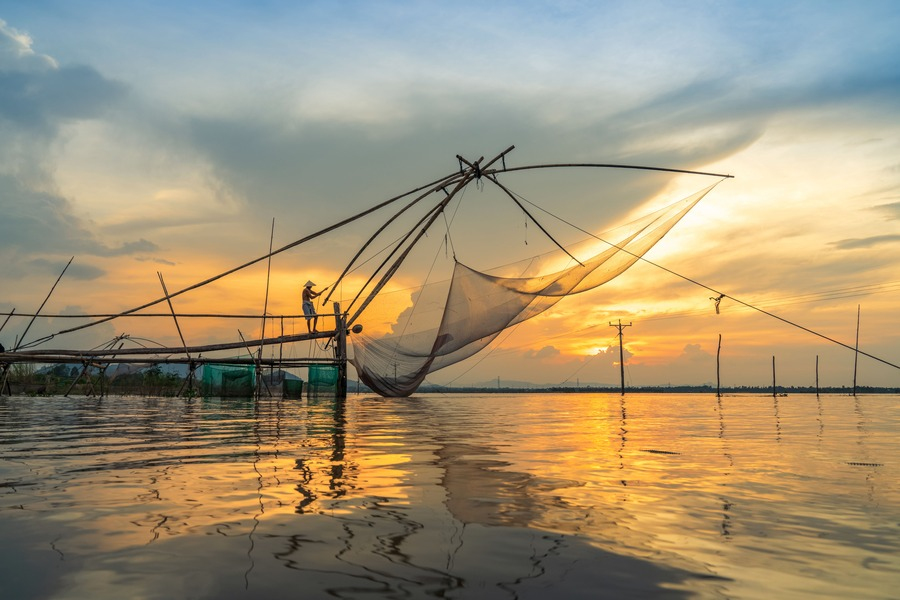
(474, 171)
(8, 316)
(446, 181)
(391, 254)
(31, 322)
(284, 248)
(262, 330)
(174, 316)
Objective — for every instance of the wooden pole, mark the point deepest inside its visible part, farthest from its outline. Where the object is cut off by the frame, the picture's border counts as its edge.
(153, 351)
(257, 368)
(435, 185)
(4, 381)
(384, 226)
(718, 379)
(262, 332)
(817, 375)
(174, 316)
(22, 338)
(340, 350)
(773, 377)
(856, 349)
(5, 321)
(431, 218)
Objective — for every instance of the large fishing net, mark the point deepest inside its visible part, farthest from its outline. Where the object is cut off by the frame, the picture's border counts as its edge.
(450, 321)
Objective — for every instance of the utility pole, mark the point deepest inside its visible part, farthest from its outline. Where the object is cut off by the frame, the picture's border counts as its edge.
(620, 327)
(856, 355)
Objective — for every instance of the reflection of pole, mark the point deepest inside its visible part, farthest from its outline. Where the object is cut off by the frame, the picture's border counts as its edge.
(620, 327)
(623, 432)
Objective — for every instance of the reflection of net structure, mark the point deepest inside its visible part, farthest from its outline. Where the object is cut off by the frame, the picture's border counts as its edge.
(452, 323)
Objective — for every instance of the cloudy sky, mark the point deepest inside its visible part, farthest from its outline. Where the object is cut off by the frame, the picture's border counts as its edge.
(167, 137)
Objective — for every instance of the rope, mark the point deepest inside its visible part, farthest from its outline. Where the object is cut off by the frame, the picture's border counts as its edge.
(715, 291)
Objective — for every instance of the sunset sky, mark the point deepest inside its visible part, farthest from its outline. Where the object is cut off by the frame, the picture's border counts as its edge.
(145, 137)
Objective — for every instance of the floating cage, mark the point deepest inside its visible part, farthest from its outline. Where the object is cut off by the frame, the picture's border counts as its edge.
(292, 389)
(228, 380)
(323, 381)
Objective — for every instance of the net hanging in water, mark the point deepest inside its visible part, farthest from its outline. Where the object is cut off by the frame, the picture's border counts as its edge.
(477, 306)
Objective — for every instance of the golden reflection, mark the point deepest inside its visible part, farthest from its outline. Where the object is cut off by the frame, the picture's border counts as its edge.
(440, 495)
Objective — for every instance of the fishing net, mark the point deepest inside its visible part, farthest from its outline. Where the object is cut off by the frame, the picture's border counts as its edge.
(228, 380)
(323, 381)
(449, 322)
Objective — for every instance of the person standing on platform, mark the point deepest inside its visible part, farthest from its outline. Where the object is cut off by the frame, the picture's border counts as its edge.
(309, 310)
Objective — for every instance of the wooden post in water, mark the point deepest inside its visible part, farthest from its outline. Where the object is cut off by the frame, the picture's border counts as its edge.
(856, 350)
(773, 377)
(718, 379)
(817, 375)
(340, 350)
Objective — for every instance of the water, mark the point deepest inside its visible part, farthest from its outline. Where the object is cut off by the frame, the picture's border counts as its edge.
(455, 496)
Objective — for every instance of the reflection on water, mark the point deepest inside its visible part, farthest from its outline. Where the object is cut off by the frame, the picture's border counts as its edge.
(520, 496)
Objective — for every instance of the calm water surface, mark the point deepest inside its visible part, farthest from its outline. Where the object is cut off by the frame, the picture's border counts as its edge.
(451, 496)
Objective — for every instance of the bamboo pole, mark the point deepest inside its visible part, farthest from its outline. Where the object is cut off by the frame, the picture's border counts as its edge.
(31, 322)
(8, 316)
(856, 349)
(26, 354)
(718, 379)
(144, 315)
(399, 244)
(437, 210)
(174, 316)
(340, 350)
(817, 375)
(171, 360)
(473, 172)
(448, 180)
(606, 166)
(284, 248)
(257, 362)
(773, 378)
(4, 381)
(262, 329)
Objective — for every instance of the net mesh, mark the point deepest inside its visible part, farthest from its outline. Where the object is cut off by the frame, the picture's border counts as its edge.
(449, 322)
(228, 380)
(323, 381)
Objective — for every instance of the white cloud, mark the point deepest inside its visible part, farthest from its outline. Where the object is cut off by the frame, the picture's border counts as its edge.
(16, 51)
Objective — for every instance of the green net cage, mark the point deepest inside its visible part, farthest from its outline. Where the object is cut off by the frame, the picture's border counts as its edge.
(228, 380)
(292, 388)
(322, 381)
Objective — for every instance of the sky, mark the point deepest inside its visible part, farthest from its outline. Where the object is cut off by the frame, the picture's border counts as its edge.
(166, 142)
